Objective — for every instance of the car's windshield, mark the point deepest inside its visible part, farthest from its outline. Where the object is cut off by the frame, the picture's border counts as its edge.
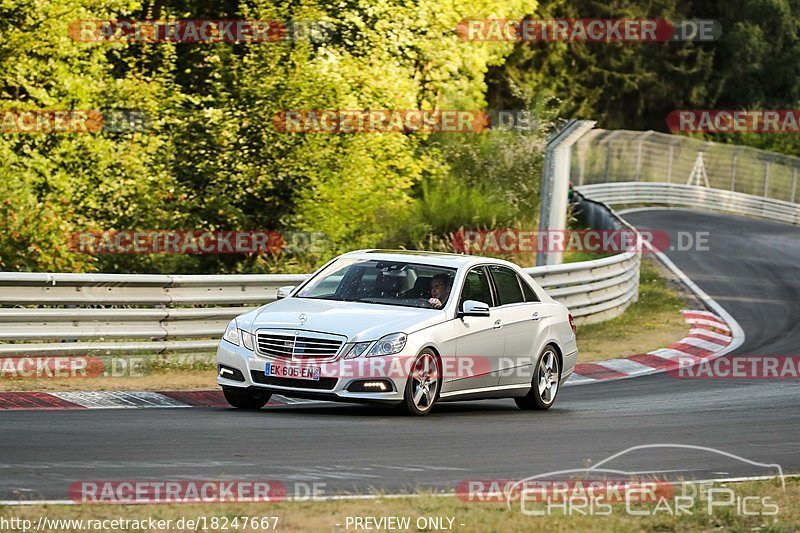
(382, 282)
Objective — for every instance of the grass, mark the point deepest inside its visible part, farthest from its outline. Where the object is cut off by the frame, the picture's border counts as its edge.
(577, 256)
(333, 515)
(157, 380)
(137, 371)
(653, 322)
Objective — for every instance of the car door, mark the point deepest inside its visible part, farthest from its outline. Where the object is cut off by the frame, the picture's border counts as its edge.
(522, 318)
(479, 340)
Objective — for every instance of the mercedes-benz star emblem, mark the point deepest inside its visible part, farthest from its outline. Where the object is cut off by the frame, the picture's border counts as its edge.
(303, 318)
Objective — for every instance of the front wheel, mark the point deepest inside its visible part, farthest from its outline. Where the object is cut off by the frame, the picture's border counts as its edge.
(245, 399)
(544, 386)
(422, 387)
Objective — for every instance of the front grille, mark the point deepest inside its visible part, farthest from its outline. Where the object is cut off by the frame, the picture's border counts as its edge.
(321, 384)
(306, 345)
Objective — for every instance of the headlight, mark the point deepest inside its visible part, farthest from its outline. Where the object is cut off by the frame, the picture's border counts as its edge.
(388, 345)
(357, 349)
(232, 333)
(247, 339)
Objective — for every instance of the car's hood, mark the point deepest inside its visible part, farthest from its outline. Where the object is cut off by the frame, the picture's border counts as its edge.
(358, 321)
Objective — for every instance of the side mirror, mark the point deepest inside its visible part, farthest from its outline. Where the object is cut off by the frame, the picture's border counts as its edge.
(285, 291)
(473, 308)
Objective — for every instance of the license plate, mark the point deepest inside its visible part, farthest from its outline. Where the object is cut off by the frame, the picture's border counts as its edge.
(292, 372)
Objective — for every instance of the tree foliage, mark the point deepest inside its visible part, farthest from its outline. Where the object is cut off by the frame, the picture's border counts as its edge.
(754, 65)
(211, 157)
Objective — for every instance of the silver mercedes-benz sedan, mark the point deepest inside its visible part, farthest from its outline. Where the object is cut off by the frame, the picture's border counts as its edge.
(403, 328)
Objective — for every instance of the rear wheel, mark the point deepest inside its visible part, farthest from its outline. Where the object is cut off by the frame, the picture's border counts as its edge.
(422, 387)
(245, 399)
(544, 387)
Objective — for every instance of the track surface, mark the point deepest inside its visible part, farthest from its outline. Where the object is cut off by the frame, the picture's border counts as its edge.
(751, 270)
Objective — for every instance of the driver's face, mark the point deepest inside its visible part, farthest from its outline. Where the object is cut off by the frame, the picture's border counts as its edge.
(437, 288)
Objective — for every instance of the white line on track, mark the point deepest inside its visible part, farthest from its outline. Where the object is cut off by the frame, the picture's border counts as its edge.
(736, 330)
(340, 497)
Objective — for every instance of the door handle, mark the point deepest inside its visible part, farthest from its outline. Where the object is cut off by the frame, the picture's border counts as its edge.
(536, 316)
(498, 324)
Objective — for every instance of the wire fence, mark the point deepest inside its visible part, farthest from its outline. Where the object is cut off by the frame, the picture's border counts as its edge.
(605, 156)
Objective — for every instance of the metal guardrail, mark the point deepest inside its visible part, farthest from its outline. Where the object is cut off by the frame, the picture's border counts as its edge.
(90, 313)
(62, 314)
(695, 197)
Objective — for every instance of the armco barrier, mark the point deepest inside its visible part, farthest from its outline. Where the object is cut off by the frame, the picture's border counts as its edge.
(693, 196)
(82, 313)
(90, 313)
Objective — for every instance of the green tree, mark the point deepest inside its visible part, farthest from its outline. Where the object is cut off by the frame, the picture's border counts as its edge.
(621, 84)
(54, 184)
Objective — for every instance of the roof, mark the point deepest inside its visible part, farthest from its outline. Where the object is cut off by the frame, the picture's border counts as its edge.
(425, 257)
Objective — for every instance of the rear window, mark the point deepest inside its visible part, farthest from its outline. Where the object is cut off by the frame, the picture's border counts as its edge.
(507, 284)
(530, 296)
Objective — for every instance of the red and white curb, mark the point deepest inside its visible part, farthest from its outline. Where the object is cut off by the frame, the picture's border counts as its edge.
(709, 336)
(14, 401)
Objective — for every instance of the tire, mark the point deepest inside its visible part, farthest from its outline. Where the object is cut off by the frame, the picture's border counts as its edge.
(245, 399)
(423, 385)
(544, 384)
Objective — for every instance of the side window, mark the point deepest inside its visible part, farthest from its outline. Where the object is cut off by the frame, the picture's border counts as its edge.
(507, 284)
(530, 296)
(476, 287)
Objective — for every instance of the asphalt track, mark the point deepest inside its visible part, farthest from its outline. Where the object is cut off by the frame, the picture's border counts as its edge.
(751, 269)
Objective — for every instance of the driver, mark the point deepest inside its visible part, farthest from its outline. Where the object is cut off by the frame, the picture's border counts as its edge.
(440, 290)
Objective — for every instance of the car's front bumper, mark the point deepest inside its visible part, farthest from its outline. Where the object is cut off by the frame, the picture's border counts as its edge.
(335, 379)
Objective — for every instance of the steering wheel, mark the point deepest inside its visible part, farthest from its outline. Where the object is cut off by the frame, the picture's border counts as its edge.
(426, 303)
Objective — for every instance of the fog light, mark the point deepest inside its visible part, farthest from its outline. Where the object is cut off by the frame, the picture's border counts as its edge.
(231, 373)
(381, 385)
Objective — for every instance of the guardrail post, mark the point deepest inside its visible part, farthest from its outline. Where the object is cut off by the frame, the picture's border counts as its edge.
(581, 163)
(766, 178)
(555, 184)
(669, 163)
(794, 184)
(638, 158)
(733, 170)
